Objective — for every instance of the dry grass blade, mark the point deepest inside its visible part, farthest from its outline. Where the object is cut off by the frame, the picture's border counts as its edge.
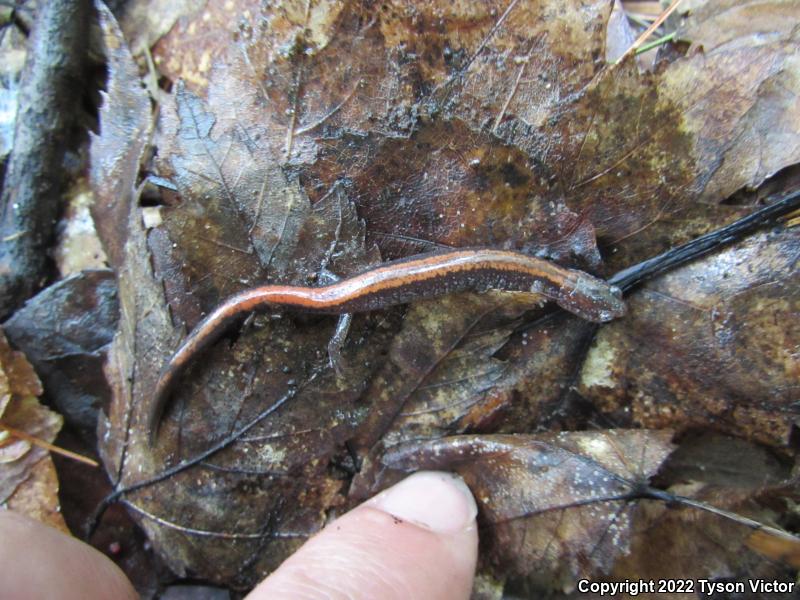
(47, 446)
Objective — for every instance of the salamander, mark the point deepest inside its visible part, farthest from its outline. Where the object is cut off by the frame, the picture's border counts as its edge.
(399, 282)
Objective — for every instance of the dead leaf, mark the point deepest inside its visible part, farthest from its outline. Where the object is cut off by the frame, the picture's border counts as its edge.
(750, 48)
(553, 507)
(727, 334)
(65, 331)
(37, 497)
(307, 134)
(145, 23)
(197, 31)
(28, 482)
(733, 23)
(441, 372)
(725, 473)
(254, 477)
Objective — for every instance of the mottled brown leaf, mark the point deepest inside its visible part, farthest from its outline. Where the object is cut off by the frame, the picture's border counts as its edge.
(673, 541)
(188, 50)
(645, 148)
(553, 507)
(751, 50)
(714, 25)
(21, 380)
(304, 135)
(37, 496)
(147, 21)
(28, 482)
(713, 344)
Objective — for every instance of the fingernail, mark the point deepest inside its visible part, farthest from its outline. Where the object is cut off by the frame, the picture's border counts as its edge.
(435, 500)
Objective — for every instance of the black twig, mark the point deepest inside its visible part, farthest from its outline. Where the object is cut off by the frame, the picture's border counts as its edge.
(629, 278)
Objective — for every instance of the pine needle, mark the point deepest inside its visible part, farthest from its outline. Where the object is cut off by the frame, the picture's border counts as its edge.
(649, 31)
(21, 435)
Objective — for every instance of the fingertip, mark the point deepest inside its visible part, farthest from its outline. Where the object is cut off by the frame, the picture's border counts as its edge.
(41, 562)
(439, 501)
(417, 539)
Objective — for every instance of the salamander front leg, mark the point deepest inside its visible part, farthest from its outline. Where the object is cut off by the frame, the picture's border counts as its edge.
(339, 336)
(337, 342)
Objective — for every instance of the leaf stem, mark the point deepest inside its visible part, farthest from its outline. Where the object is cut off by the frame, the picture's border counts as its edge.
(669, 498)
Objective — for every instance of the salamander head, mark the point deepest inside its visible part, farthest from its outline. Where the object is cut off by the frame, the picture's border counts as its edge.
(592, 299)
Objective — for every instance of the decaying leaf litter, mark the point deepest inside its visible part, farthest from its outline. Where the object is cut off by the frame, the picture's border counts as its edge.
(338, 135)
(28, 482)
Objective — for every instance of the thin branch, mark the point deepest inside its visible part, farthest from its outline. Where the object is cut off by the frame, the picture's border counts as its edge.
(329, 114)
(514, 89)
(657, 42)
(656, 494)
(483, 43)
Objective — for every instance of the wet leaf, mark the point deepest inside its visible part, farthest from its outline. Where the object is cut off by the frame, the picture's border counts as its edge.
(305, 135)
(65, 331)
(441, 369)
(115, 154)
(725, 473)
(279, 458)
(727, 334)
(553, 507)
(705, 126)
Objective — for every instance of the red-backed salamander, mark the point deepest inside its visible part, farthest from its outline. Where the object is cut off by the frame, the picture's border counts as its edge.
(399, 282)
